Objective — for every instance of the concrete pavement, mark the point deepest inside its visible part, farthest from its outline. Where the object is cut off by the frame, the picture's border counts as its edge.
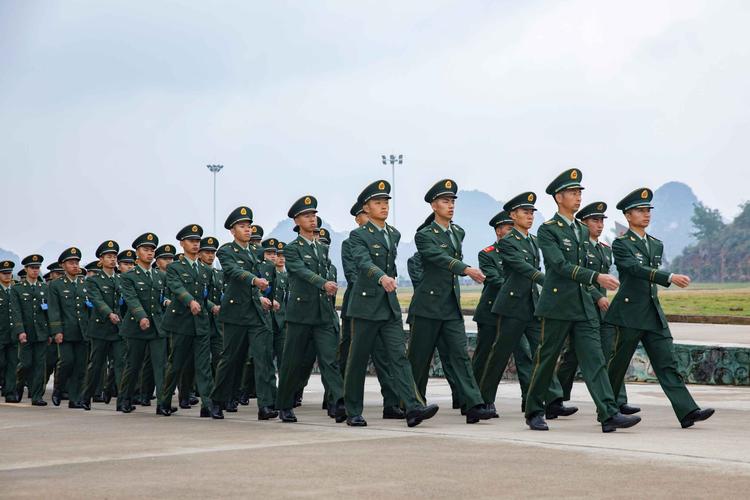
(103, 454)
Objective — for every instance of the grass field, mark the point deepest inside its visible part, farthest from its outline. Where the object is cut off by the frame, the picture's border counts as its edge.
(703, 299)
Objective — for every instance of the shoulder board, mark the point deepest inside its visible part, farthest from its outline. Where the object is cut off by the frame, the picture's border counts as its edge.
(653, 239)
(551, 221)
(363, 228)
(603, 244)
(623, 237)
(457, 226)
(489, 249)
(226, 245)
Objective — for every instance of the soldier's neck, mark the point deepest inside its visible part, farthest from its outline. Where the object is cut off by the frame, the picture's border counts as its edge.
(522, 230)
(71, 278)
(378, 223)
(640, 231)
(443, 222)
(243, 244)
(308, 235)
(146, 266)
(31, 281)
(281, 269)
(108, 272)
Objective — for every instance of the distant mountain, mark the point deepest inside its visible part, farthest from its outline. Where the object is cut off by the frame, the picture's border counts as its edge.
(8, 255)
(670, 221)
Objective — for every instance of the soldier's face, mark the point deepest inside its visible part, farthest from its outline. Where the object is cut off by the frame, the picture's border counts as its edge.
(53, 275)
(569, 199)
(163, 262)
(307, 222)
(444, 207)
(190, 246)
(595, 225)
(72, 267)
(639, 217)
(269, 256)
(32, 272)
(207, 257)
(280, 260)
(108, 261)
(125, 266)
(242, 231)
(6, 277)
(502, 230)
(145, 253)
(523, 218)
(361, 219)
(377, 209)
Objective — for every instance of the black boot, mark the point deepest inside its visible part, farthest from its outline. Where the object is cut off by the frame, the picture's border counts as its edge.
(287, 416)
(696, 416)
(417, 415)
(56, 397)
(619, 421)
(267, 413)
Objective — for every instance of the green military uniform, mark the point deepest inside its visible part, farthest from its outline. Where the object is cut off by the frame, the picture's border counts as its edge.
(567, 310)
(68, 315)
(416, 271)
(143, 291)
(638, 316)
(8, 341)
(103, 333)
(514, 305)
(599, 259)
(491, 264)
(29, 306)
(245, 324)
(436, 309)
(188, 281)
(280, 295)
(216, 292)
(376, 315)
(310, 320)
(51, 356)
(379, 356)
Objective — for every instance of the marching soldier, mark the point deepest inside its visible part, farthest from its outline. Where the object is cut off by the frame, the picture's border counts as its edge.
(567, 309)
(491, 264)
(51, 356)
(280, 294)
(68, 320)
(310, 316)
(163, 256)
(187, 322)
(55, 271)
(104, 293)
(599, 259)
(244, 318)
(29, 309)
(436, 305)
(514, 305)
(391, 402)
(91, 269)
(8, 341)
(142, 289)
(207, 256)
(637, 313)
(376, 313)
(125, 261)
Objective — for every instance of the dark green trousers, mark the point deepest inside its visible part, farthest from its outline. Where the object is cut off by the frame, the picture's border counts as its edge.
(587, 343)
(486, 334)
(146, 382)
(279, 337)
(50, 360)
(96, 369)
(238, 339)
(299, 337)
(365, 336)
(71, 368)
(216, 344)
(658, 345)
(188, 350)
(8, 366)
(32, 358)
(508, 334)
(135, 361)
(449, 337)
(566, 371)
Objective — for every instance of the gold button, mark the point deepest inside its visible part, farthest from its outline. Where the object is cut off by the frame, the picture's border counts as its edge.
(554, 290)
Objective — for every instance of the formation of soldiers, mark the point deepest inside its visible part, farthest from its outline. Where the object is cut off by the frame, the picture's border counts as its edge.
(143, 323)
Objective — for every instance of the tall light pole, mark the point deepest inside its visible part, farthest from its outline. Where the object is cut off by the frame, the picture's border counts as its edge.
(214, 169)
(393, 160)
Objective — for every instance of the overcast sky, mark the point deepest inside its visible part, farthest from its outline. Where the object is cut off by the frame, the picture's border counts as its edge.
(111, 110)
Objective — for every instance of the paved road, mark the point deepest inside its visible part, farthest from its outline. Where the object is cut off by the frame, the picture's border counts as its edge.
(61, 453)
